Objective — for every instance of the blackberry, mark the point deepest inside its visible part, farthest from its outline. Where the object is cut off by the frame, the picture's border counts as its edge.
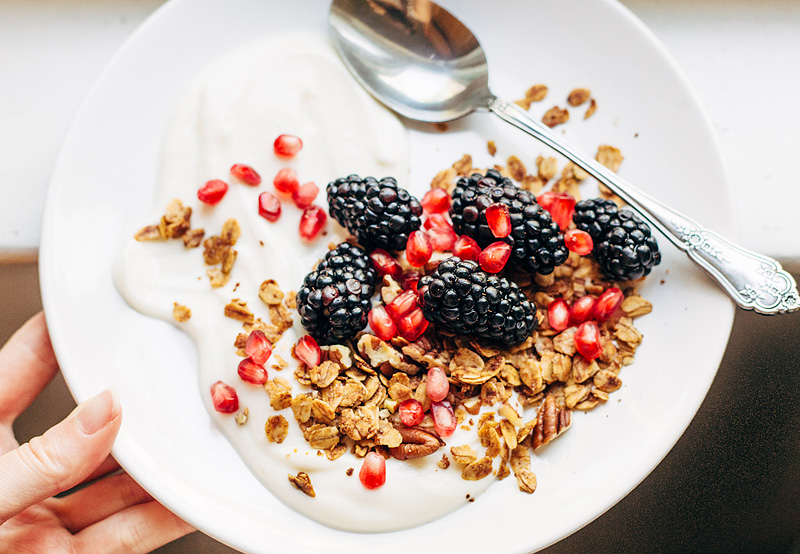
(593, 216)
(537, 244)
(336, 297)
(461, 298)
(624, 246)
(379, 214)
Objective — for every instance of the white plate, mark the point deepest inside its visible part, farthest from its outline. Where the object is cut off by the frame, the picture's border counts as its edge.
(102, 190)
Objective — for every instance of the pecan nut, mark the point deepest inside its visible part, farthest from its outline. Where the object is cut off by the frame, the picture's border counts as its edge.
(416, 444)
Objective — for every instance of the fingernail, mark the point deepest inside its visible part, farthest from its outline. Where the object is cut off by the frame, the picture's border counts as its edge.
(96, 412)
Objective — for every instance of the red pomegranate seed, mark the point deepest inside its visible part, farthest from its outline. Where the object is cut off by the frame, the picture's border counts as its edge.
(307, 351)
(437, 220)
(444, 419)
(558, 314)
(304, 196)
(493, 258)
(581, 309)
(286, 181)
(411, 412)
(212, 192)
(607, 303)
(385, 264)
(252, 372)
(287, 145)
(373, 470)
(312, 221)
(499, 220)
(442, 238)
(246, 174)
(410, 280)
(224, 398)
(381, 324)
(436, 201)
(579, 242)
(560, 205)
(258, 347)
(437, 385)
(587, 340)
(402, 304)
(269, 207)
(546, 199)
(418, 248)
(412, 325)
(466, 248)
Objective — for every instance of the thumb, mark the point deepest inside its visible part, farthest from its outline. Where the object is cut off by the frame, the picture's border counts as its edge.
(61, 458)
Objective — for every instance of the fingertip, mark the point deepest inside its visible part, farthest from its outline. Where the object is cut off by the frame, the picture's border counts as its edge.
(97, 412)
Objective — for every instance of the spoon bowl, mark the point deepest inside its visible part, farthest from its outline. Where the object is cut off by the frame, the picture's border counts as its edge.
(415, 57)
(423, 63)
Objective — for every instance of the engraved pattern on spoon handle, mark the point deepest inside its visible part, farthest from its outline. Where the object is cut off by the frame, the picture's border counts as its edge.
(753, 281)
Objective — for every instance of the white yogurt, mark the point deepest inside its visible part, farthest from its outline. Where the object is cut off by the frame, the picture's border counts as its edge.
(232, 114)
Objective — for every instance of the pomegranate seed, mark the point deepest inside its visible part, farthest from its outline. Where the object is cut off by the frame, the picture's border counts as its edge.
(411, 412)
(581, 309)
(437, 220)
(587, 340)
(579, 242)
(304, 196)
(410, 280)
(286, 181)
(373, 470)
(307, 351)
(385, 264)
(546, 199)
(444, 420)
(224, 398)
(499, 220)
(246, 174)
(436, 201)
(252, 372)
(269, 207)
(312, 221)
(442, 238)
(466, 248)
(560, 205)
(493, 258)
(402, 304)
(381, 324)
(412, 325)
(607, 303)
(287, 145)
(418, 248)
(558, 314)
(258, 347)
(437, 385)
(212, 192)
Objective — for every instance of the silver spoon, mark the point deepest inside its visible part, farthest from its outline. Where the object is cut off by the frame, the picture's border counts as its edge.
(423, 63)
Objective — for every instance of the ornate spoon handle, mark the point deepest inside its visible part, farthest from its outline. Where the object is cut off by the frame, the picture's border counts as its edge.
(753, 281)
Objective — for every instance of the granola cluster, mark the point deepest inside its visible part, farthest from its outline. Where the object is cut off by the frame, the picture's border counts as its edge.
(558, 115)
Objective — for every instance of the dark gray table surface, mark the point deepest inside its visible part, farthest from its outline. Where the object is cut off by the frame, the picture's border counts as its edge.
(730, 484)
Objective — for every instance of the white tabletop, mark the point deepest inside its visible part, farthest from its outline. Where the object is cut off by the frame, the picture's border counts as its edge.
(740, 56)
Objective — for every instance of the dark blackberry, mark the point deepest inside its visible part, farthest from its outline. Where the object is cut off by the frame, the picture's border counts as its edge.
(624, 246)
(378, 213)
(336, 297)
(462, 298)
(537, 244)
(593, 216)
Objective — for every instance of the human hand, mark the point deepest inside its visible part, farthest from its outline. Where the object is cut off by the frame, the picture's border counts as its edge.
(113, 514)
